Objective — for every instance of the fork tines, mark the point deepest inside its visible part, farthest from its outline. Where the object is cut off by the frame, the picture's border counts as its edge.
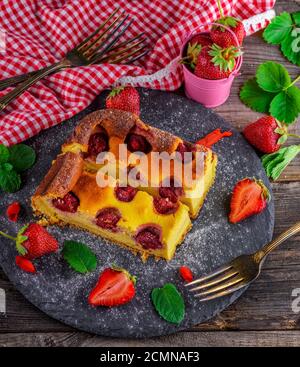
(131, 50)
(101, 45)
(221, 282)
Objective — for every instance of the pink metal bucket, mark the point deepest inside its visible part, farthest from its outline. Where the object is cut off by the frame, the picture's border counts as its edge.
(210, 93)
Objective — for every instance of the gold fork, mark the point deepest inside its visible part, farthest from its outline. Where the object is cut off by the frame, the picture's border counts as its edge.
(237, 274)
(98, 47)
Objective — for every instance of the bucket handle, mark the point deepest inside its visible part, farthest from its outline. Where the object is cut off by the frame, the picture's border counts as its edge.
(236, 71)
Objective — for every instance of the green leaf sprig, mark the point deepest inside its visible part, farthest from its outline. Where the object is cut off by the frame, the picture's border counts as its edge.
(13, 161)
(79, 257)
(284, 30)
(272, 91)
(275, 163)
(169, 303)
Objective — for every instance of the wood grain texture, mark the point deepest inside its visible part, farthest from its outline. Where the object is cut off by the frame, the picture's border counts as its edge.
(262, 316)
(184, 339)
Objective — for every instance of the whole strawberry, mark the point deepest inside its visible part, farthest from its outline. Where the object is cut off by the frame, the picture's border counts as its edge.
(202, 39)
(39, 241)
(194, 48)
(124, 98)
(266, 134)
(223, 37)
(215, 62)
(33, 241)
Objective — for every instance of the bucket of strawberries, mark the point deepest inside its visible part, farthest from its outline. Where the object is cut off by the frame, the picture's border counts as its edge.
(211, 60)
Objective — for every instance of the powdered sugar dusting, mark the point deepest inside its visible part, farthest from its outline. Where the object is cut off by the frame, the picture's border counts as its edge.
(62, 293)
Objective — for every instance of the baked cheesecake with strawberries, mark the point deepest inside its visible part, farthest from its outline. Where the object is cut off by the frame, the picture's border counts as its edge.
(149, 220)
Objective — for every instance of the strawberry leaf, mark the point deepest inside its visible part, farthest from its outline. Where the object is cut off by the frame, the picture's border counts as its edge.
(79, 257)
(279, 28)
(290, 47)
(272, 77)
(4, 154)
(255, 97)
(286, 105)
(296, 17)
(169, 303)
(275, 163)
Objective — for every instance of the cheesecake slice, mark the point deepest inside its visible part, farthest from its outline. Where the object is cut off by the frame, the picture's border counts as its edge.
(148, 216)
(70, 195)
(105, 130)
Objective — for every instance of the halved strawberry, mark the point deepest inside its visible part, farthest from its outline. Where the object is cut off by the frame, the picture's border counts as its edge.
(115, 287)
(249, 197)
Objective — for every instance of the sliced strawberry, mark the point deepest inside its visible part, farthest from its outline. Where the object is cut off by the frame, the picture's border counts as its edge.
(249, 197)
(13, 211)
(115, 287)
(186, 273)
(25, 264)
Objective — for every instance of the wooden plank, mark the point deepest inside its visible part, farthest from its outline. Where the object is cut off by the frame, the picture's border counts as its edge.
(184, 339)
(265, 306)
(256, 51)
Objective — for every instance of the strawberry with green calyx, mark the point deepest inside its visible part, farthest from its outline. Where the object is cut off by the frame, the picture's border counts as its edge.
(249, 197)
(125, 99)
(215, 62)
(115, 287)
(33, 241)
(221, 36)
(267, 134)
(194, 48)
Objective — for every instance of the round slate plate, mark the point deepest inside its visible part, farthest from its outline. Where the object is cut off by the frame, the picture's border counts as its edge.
(62, 293)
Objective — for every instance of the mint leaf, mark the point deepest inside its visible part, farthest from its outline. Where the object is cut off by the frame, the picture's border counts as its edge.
(10, 180)
(4, 154)
(22, 157)
(290, 47)
(275, 163)
(255, 97)
(169, 303)
(278, 29)
(272, 77)
(286, 105)
(79, 256)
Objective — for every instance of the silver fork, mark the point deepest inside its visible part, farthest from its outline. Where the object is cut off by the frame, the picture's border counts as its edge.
(237, 274)
(136, 45)
(92, 50)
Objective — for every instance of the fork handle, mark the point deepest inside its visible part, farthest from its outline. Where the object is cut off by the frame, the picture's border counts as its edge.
(9, 97)
(275, 243)
(12, 81)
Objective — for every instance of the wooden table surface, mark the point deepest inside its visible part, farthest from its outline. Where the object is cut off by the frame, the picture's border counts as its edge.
(263, 316)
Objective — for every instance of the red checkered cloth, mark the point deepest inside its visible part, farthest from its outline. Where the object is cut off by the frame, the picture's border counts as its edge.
(36, 33)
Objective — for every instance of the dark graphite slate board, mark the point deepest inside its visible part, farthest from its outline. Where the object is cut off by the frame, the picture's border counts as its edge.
(62, 293)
